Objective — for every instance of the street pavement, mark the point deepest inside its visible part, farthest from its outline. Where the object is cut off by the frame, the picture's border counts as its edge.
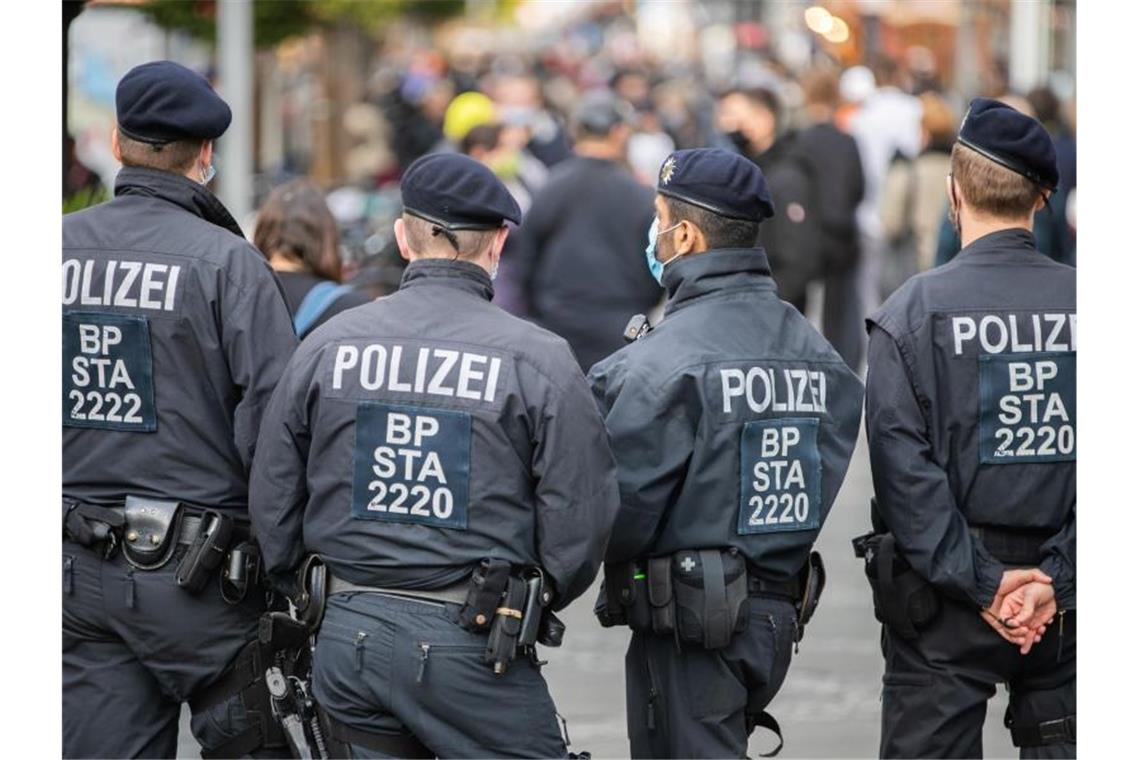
(829, 704)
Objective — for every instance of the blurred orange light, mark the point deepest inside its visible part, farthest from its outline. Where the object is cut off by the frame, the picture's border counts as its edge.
(819, 20)
(839, 32)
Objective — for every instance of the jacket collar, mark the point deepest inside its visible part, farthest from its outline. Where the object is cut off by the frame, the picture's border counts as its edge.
(1013, 240)
(137, 180)
(698, 275)
(461, 275)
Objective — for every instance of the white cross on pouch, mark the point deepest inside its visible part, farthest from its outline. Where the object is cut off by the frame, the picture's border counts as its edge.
(687, 564)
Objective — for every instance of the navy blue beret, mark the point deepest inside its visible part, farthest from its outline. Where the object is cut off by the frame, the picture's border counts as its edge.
(721, 181)
(457, 193)
(162, 101)
(1012, 139)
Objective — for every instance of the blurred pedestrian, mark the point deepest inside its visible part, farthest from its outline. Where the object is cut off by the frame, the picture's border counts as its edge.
(582, 240)
(839, 190)
(887, 123)
(913, 203)
(297, 233)
(174, 336)
(521, 106)
(791, 238)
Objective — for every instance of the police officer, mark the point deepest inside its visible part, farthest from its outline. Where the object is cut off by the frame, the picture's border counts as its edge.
(732, 423)
(971, 422)
(174, 334)
(431, 448)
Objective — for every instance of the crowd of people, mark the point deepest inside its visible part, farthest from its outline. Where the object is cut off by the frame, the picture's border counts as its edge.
(857, 157)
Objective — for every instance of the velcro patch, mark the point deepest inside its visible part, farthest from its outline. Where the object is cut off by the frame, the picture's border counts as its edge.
(780, 473)
(411, 465)
(108, 375)
(1027, 407)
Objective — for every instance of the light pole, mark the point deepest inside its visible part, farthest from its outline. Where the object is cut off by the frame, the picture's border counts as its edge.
(235, 73)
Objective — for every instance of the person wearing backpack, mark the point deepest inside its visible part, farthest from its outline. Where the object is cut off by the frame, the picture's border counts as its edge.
(297, 233)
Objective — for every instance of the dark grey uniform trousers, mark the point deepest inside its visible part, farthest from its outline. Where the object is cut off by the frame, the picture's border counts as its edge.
(935, 687)
(135, 647)
(387, 664)
(692, 703)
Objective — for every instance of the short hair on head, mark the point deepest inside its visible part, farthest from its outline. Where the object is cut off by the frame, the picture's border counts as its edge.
(760, 96)
(295, 221)
(470, 244)
(989, 187)
(176, 156)
(719, 231)
(821, 87)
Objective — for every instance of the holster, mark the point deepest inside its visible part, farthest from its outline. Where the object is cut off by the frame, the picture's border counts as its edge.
(812, 579)
(206, 551)
(312, 585)
(711, 591)
(903, 600)
(503, 640)
(151, 531)
(488, 583)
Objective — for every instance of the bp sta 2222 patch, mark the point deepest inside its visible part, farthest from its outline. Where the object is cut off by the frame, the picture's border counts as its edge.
(411, 465)
(108, 374)
(780, 473)
(1027, 407)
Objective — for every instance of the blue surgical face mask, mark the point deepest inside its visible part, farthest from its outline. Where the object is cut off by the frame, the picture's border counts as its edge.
(657, 268)
(209, 175)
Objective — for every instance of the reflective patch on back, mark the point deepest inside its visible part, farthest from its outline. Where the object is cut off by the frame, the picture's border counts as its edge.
(411, 465)
(1027, 408)
(780, 473)
(108, 374)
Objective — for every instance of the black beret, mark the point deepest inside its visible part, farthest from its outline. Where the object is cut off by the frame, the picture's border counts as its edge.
(1012, 139)
(457, 193)
(721, 181)
(162, 101)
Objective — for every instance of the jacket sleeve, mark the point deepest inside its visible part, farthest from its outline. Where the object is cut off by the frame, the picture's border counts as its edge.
(652, 442)
(1059, 562)
(912, 491)
(257, 337)
(278, 489)
(575, 487)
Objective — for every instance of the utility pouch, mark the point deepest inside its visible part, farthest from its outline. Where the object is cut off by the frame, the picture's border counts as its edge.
(206, 552)
(278, 632)
(812, 579)
(488, 583)
(92, 526)
(551, 630)
(241, 572)
(626, 598)
(537, 597)
(151, 531)
(659, 585)
(502, 642)
(711, 589)
(903, 600)
(312, 584)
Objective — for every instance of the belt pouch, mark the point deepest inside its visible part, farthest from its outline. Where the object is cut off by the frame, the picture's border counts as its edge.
(902, 599)
(660, 588)
(711, 589)
(488, 583)
(502, 642)
(205, 553)
(151, 531)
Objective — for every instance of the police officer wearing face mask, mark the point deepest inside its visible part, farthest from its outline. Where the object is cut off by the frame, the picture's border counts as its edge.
(971, 424)
(446, 463)
(174, 334)
(732, 423)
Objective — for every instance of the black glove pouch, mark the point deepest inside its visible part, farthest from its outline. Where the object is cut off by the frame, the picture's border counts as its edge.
(151, 531)
(812, 579)
(488, 583)
(206, 551)
(626, 598)
(711, 589)
(659, 586)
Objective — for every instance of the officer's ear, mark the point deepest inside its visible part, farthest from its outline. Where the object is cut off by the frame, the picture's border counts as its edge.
(499, 241)
(691, 239)
(206, 154)
(402, 239)
(116, 149)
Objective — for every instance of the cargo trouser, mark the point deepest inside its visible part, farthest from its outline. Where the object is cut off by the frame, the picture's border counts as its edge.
(692, 702)
(135, 647)
(385, 664)
(935, 687)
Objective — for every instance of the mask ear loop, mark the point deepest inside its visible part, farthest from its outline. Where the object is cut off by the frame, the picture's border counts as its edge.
(451, 238)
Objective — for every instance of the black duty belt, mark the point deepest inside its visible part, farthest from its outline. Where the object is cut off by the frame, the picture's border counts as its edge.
(453, 594)
(789, 588)
(1020, 546)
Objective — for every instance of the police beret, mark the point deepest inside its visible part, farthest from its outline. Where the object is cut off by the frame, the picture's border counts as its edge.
(1012, 139)
(457, 193)
(721, 181)
(162, 101)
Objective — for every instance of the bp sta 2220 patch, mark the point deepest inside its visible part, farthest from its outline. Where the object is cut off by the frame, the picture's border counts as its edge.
(780, 473)
(1027, 407)
(411, 465)
(108, 374)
